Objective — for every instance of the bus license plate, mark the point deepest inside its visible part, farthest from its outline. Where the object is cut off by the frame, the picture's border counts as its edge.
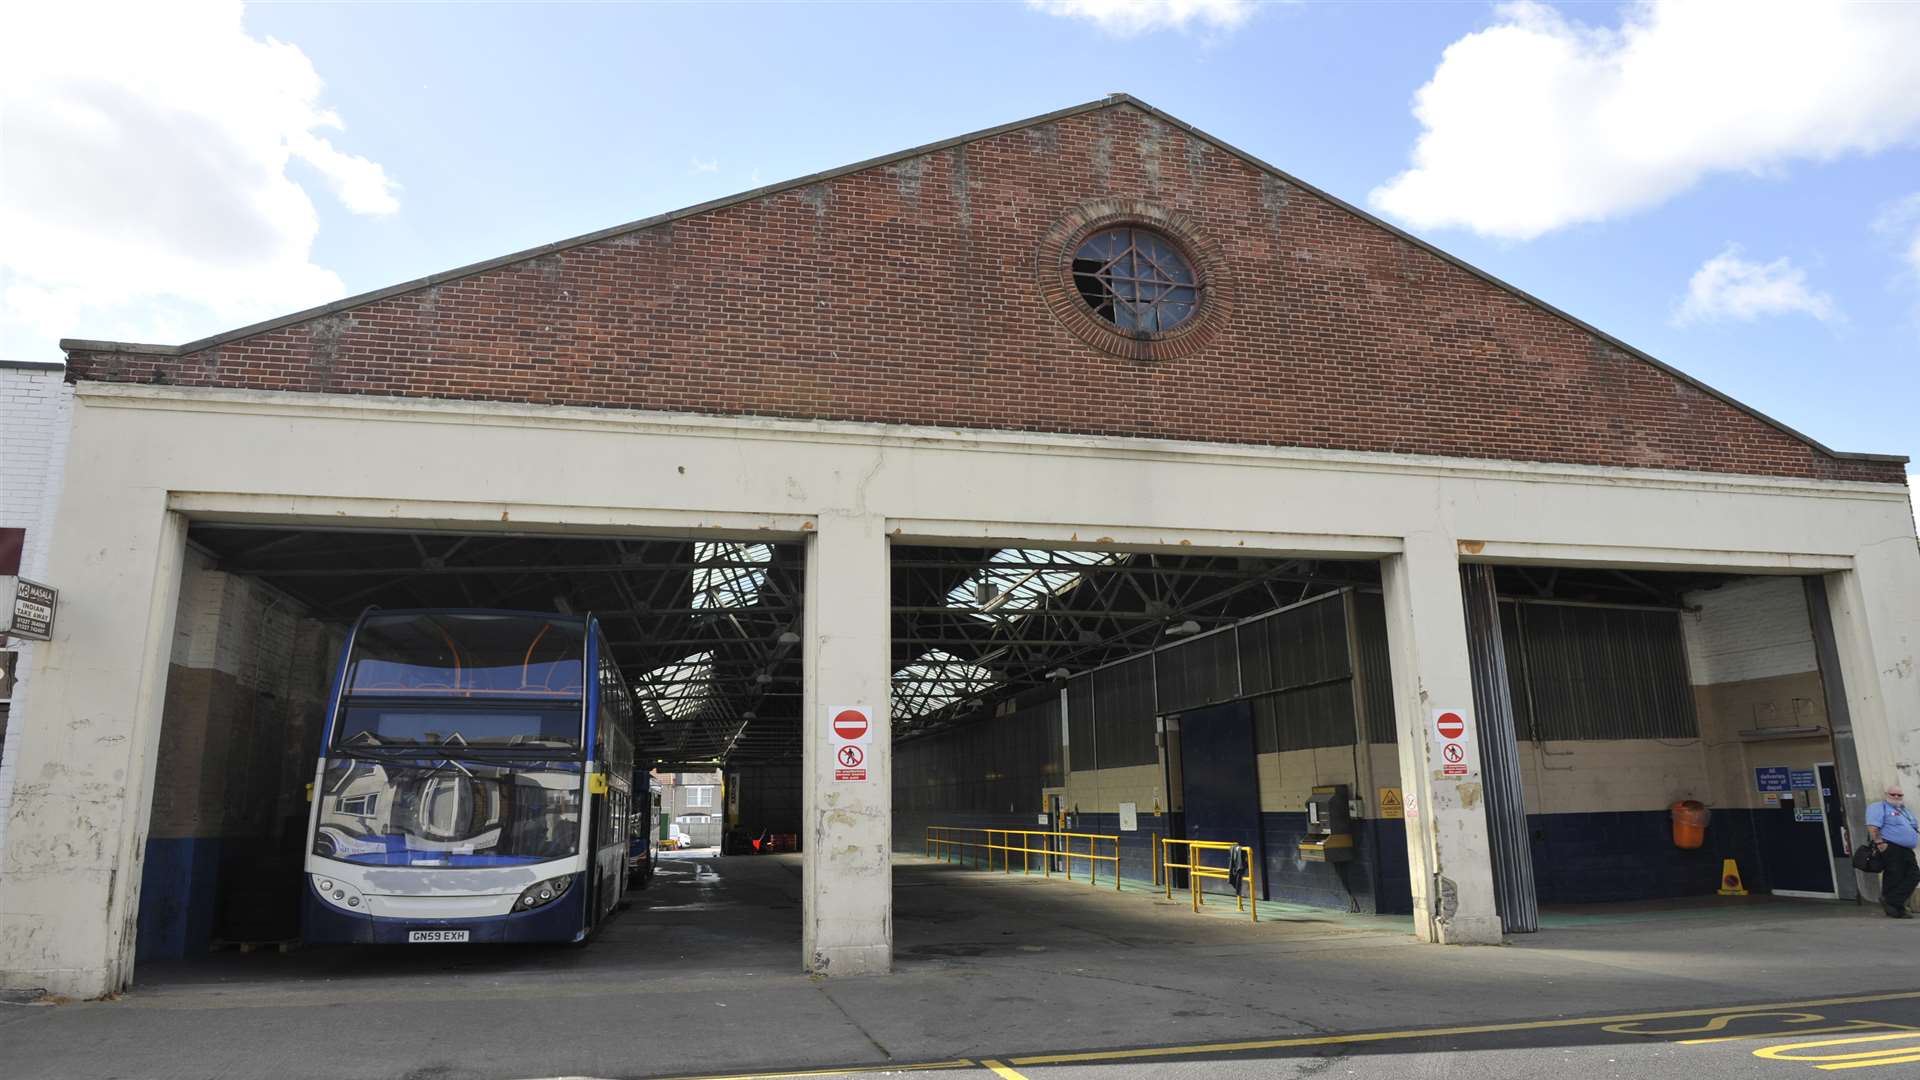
(416, 937)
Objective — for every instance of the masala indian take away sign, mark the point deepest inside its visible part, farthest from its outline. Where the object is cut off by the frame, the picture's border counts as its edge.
(31, 610)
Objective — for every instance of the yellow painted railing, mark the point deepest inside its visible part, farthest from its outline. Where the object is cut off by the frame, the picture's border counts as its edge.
(977, 847)
(1198, 869)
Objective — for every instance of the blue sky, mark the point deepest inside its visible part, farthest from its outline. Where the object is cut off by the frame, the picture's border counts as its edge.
(1736, 193)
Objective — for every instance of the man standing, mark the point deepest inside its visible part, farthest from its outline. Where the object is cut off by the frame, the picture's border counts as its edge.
(1895, 835)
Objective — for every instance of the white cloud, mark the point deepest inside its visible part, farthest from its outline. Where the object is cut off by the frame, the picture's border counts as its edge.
(146, 193)
(1539, 122)
(1902, 222)
(1127, 18)
(698, 165)
(1728, 286)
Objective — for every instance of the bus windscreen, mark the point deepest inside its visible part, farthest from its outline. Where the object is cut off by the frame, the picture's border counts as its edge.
(555, 729)
(473, 814)
(466, 654)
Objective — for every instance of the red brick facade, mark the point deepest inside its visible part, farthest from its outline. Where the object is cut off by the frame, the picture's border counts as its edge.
(908, 293)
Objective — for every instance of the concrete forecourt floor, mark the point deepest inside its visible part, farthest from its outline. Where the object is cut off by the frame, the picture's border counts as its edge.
(1001, 976)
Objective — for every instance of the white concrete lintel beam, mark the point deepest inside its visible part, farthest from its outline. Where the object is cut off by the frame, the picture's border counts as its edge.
(1651, 558)
(1097, 537)
(314, 511)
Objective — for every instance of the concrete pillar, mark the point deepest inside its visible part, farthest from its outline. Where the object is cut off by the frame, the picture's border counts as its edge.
(1448, 854)
(70, 876)
(847, 880)
(1876, 629)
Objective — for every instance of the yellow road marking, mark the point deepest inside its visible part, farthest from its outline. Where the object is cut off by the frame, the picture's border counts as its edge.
(1437, 1032)
(1718, 1023)
(1779, 1053)
(1610, 1023)
(1870, 1064)
(923, 1066)
(1850, 1025)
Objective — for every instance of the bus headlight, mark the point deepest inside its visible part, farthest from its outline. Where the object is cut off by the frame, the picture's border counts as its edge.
(545, 892)
(337, 892)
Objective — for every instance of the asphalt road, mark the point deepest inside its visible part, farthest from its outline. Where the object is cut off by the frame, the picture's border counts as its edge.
(1040, 978)
(1867, 1035)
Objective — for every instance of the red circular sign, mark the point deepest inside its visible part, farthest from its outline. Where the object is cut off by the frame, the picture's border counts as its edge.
(850, 724)
(1451, 726)
(850, 756)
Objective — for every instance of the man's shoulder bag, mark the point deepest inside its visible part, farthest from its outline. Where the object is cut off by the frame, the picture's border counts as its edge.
(1866, 857)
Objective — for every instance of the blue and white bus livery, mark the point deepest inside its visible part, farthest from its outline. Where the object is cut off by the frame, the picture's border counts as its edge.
(474, 783)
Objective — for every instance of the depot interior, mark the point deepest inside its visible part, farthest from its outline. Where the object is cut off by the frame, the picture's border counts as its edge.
(1142, 694)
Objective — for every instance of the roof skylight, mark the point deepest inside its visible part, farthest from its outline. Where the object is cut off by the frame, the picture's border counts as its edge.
(736, 581)
(1017, 580)
(935, 681)
(679, 690)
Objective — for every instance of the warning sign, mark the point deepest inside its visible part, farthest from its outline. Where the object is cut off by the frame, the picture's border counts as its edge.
(1390, 805)
(1453, 743)
(851, 727)
(851, 723)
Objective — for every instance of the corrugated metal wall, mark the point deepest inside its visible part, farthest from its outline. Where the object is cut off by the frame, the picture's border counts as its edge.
(1374, 672)
(995, 766)
(1597, 672)
(1296, 665)
(1123, 714)
(1517, 902)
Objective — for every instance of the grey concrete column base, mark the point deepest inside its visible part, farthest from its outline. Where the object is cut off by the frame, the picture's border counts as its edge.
(851, 960)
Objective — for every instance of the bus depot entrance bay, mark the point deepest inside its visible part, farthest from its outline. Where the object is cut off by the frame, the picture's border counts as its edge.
(440, 737)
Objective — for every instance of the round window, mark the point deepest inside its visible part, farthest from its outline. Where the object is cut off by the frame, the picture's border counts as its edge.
(1136, 280)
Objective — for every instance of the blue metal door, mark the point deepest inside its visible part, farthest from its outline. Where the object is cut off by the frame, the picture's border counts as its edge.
(1220, 785)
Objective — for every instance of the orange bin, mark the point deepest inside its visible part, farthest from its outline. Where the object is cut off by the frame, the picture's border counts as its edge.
(1690, 823)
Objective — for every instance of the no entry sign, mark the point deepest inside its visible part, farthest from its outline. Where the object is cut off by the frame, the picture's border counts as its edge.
(851, 730)
(1453, 732)
(850, 725)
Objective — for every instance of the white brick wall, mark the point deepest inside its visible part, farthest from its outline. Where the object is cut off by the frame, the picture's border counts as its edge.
(1752, 629)
(236, 625)
(35, 407)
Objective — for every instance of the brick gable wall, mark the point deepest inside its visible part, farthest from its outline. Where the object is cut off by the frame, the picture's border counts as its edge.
(906, 293)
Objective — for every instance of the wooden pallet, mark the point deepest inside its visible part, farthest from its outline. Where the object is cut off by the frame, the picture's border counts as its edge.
(284, 945)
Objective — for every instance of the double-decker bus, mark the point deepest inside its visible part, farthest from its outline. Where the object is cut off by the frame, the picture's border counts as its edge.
(643, 834)
(475, 781)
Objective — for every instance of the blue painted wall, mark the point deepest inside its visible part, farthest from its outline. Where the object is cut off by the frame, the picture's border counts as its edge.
(1629, 855)
(1577, 858)
(179, 891)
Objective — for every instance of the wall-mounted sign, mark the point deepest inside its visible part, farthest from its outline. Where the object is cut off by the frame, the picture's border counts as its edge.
(32, 610)
(1773, 778)
(1453, 734)
(851, 728)
(1390, 806)
(1129, 817)
(1799, 779)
